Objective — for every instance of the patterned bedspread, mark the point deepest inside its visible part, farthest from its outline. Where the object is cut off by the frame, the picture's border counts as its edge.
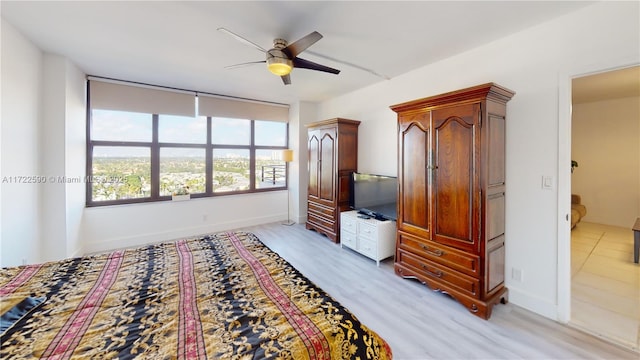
(221, 296)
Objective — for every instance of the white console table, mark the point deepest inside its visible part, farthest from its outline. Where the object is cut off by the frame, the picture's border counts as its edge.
(375, 239)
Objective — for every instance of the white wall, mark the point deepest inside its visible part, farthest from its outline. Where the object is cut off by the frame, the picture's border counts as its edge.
(75, 159)
(529, 63)
(62, 140)
(21, 85)
(606, 144)
(111, 227)
(52, 155)
(43, 122)
(303, 113)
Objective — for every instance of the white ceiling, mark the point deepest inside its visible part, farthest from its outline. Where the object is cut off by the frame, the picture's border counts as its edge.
(176, 44)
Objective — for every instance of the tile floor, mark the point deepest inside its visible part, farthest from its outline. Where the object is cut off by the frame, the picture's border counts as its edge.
(605, 283)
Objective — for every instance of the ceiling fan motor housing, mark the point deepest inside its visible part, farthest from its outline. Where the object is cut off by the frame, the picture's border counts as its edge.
(280, 43)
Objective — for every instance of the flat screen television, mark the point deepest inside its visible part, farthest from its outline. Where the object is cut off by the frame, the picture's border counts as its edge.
(374, 195)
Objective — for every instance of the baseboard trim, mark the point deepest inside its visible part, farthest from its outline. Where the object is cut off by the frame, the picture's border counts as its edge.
(533, 303)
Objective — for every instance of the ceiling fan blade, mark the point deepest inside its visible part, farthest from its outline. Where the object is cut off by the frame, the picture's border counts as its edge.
(306, 64)
(241, 39)
(286, 79)
(244, 64)
(349, 64)
(300, 45)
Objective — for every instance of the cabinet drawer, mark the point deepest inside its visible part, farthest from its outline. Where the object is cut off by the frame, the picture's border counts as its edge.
(367, 231)
(321, 210)
(322, 216)
(321, 221)
(348, 239)
(348, 223)
(429, 270)
(455, 259)
(368, 248)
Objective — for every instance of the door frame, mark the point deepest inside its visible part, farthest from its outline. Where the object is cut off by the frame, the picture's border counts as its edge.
(564, 174)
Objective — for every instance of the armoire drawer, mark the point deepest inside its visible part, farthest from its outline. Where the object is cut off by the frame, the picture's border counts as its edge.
(320, 210)
(321, 221)
(430, 271)
(322, 216)
(452, 258)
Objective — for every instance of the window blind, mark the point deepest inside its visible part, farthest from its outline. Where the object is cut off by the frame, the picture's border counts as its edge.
(241, 109)
(116, 96)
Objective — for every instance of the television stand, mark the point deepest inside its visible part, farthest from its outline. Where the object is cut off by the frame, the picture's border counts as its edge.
(371, 237)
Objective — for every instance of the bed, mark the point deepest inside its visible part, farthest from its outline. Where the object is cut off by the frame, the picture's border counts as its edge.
(219, 296)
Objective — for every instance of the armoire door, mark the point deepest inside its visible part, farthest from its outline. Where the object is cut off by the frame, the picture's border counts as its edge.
(314, 164)
(455, 180)
(328, 171)
(413, 175)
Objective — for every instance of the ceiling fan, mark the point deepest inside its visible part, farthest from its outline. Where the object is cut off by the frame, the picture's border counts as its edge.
(283, 57)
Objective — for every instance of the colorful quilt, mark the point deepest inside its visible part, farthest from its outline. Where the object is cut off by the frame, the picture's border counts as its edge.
(220, 296)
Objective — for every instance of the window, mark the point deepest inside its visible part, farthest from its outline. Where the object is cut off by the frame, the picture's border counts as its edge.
(271, 133)
(120, 173)
(230, 131)
(182, 169)
(271, 171)
(112, 125)
(231, 170)
(120, 166)
(182, 141)
(182, 129)
(139, 153)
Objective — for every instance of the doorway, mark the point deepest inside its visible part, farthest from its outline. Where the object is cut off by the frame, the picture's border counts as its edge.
(603, 287)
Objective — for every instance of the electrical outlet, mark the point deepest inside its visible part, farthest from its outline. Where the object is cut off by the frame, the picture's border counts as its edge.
(516, 274)
(204, 218)
(24, 261)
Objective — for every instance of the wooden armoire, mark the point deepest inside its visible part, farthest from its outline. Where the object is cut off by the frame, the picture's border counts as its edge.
(333, 157)
(451, 194)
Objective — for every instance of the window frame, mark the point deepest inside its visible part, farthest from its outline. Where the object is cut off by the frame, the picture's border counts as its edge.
(154, 146)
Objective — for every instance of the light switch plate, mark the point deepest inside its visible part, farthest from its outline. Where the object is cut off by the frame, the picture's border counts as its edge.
(547, 182)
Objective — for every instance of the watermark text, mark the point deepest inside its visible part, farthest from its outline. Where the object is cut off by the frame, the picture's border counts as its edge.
(42, 179)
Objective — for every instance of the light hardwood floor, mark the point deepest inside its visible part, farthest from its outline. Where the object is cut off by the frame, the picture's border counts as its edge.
(605, 283)
(419, 323)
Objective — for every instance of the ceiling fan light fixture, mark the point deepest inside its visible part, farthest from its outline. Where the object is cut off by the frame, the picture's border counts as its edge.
(278, 62)
(280, 69)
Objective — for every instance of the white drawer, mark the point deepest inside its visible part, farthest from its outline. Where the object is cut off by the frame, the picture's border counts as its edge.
(349, 224)
(368, 248)
(368, 231)
(348, 239)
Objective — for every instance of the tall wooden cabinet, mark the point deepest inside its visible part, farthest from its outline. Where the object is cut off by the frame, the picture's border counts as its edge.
(451, 194)
(333, 156)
